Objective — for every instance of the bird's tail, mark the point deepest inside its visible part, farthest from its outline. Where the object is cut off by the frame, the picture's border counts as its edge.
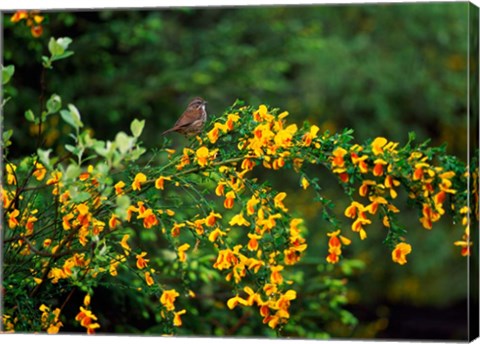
(167, 131)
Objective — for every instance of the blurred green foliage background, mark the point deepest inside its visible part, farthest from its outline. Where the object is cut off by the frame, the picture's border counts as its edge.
(381, 69)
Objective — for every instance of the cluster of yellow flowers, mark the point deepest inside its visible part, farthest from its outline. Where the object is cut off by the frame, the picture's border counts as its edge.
(33, 20)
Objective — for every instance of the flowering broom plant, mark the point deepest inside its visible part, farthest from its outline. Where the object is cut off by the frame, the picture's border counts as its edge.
(200, 227)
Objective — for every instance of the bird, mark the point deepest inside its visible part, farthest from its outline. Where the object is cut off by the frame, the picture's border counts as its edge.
(192, 120)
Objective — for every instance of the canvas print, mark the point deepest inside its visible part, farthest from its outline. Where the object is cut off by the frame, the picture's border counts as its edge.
(300, 171)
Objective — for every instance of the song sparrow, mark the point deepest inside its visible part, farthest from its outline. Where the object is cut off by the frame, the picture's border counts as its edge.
(191, 122)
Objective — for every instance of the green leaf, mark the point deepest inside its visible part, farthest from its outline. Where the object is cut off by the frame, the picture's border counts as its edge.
(6, 137)
(64, 42)
(44, 156)
(72, 116)
(137, 127)
(71, 149)
(123, 202)
(30, 116)
(54, 104)
(123, 142)
(7, 73)
(73, 171)
(80, 197)
(54, 47)
(76, 115)
(61, 56)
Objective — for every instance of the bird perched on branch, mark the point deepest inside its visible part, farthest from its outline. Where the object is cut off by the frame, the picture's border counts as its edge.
(192, 120)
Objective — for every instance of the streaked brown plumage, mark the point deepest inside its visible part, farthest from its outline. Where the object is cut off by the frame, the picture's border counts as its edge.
(191, 122)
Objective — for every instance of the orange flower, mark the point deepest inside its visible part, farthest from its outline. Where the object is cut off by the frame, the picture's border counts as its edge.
(214, 133)
(119, 188)
(36, 31)
(215, 234)
(19, 15)
(335, 246)
(253, 242)
(212, 219)
(148, 278)
(86, 318)
(141, 262)
(310, 135)
(12, 219)
(400, 252)
(378, 168)
(39, 172)
(30, 222)
(247, 164)
(113, 222)
(220, 189)
(275, 276)
(149, 218)
(337, 157)
(229, 200)
(160, 181)
(353, 209)
(332, 258)
(176, 229)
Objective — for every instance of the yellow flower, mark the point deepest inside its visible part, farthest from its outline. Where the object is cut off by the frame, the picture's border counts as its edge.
(239, 220)
(82, 209)
(305, 183)
(181, 252)
(378, 168)
(113, 222)
(141, 262)
(149, 218)
(19, 15)
(168, 299)
(160, 181)
(310, 135)
(251, 203)
(278, 201)
(253, 242)
(40, 171)
(400, 252)
(275, 276)
(213, 134)
(215, 234)
(202, 156)
(148, 278)
(211, 219)
(377, 145)
(236, 300)
(119, 188)
(229, 200)
(284, 137)
(177, 321)
(124, 244)
(12, 219)
(139, 179)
